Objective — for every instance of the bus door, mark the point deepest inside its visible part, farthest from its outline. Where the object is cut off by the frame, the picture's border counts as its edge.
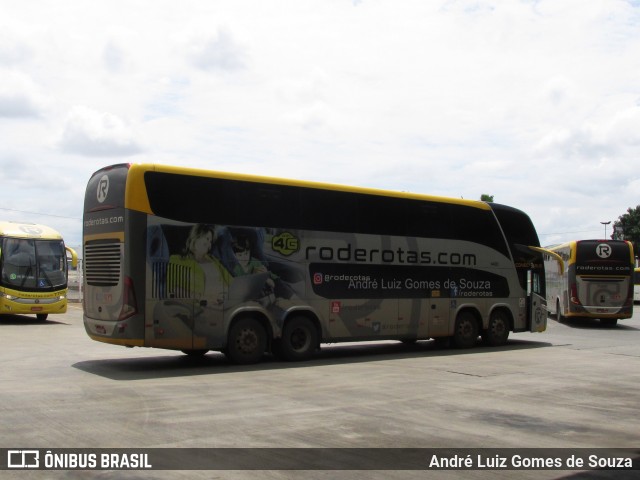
(530, 263)
(537, 308)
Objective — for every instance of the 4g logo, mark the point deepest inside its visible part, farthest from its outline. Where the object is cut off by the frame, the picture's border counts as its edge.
(285, 243)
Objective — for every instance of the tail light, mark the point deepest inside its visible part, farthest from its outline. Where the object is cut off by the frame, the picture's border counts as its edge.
(574, 294)
(129, 304)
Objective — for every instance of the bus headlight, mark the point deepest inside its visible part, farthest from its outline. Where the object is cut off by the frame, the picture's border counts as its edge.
(7, 296)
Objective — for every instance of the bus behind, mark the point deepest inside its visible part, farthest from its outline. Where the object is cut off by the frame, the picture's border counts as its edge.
(33, 270)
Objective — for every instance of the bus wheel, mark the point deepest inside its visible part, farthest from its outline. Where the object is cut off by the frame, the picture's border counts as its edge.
(609, 322)
(497, 332)
(299, 339)
(466, 331)
(42, 316)
(247, 341)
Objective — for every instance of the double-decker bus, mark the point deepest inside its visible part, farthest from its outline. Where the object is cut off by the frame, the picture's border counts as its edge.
(195, 260)
(33, 270)
(596, 281)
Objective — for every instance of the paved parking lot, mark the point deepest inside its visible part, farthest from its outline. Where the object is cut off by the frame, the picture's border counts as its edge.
(575, 386)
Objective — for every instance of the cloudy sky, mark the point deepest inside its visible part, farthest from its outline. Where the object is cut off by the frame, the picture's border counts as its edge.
(536, 102)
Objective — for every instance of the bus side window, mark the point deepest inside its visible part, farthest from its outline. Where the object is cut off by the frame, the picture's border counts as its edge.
(533, 282)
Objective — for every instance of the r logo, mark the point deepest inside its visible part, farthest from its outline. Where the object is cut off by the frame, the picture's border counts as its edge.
(603, 250)
(103, 188)
(31, 229)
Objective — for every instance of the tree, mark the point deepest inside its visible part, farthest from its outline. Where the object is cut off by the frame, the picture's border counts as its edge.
(486, 198)
(627, 227)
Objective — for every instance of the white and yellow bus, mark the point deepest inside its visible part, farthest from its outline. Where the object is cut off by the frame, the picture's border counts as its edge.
(596, 281)
(33, 270)
(197, 260)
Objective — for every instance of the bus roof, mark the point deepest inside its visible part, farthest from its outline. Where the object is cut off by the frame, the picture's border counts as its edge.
(574, 243)
(27, 230)
(137, 171)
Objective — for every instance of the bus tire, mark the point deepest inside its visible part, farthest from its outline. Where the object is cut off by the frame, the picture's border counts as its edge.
(247, 341)
(42, 316)
(498, 329)
(299, 339)
(465, 334)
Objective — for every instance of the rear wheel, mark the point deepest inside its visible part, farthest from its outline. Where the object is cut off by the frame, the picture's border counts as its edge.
(466, 331)
(247, 341)
(299, 339)
(497, 332)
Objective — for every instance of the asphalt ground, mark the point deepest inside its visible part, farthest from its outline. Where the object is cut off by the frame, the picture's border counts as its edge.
(575, 386)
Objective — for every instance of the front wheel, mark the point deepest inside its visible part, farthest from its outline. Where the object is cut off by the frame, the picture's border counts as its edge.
(465, 334)
(247, 341)
(497, 332)
(42, 316)
(299, 339)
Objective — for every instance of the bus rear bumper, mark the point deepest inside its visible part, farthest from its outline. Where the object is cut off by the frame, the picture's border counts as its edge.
(609, 312)
(620, 313)
(115, 333)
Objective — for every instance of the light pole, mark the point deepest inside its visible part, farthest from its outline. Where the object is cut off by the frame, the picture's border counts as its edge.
(605, 228)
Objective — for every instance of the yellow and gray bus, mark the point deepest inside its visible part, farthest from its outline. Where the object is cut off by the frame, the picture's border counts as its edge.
(596, 281)
(196, 260)
(33, 270)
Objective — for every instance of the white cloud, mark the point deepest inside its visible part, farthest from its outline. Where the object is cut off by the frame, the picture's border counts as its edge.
(19, 96)
(114, 57)
(218, 52)
(624, 127)
(13, 50)
(92, 133)
(534, 102)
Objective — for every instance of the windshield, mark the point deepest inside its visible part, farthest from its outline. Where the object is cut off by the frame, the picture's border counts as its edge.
(33, 264)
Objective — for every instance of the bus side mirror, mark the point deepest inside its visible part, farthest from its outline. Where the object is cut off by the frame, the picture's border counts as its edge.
(74, 256)
(553, 255)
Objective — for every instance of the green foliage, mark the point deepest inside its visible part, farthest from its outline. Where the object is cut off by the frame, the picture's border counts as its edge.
(486, 198)
(627, 227)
